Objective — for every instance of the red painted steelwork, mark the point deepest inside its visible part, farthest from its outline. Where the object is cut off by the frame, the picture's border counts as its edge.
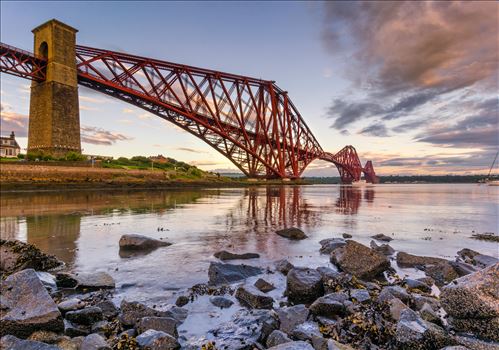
(250, 121)
(21, 63)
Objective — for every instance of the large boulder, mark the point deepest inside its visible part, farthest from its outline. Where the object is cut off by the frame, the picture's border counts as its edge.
(16, 256)
(220, 273)
(225, 255)
(303, 285)
(26, 306)
(290, 317)
(10, 342)
(292, 233)
(95, 280)
(163, 324)
(86, 316)
(409, 260)
(472, 303)
(359, 260)
(330, 305)
(254, 298)
(330, 244)
(132, 312)
(157, 340)
(139, 242)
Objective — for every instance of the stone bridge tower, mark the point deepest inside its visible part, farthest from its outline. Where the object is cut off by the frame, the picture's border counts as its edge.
(54, 118)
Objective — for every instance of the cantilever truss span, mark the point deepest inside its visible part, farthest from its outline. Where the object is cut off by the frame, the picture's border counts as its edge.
(251, 121)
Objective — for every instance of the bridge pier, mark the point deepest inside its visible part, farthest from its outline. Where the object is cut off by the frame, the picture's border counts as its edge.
(54, 117)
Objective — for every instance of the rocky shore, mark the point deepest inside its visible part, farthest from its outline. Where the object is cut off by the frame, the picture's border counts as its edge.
(358, 301)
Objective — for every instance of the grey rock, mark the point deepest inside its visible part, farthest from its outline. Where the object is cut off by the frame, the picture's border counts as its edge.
(100, 326)
(346, 235)
(157, 340)
(45, 337)
(396, 307)
(221, 302)
(66, 280)
(85, 316)
(220, 273)
(397, 292)
(442, 273)
(10, 342)
(97, 280)
(71, 305)
(414, 333)
(417, 285)
(409, 260)
(294, 345)
(361, 295)
(382, 237)
(163, 324)
(252, 297)
(476, 344)
(330, 244)
(94, 342)
(306, 331)
(420, 300)
(320, 343)
(359, 260)
(486, 329)
(182, 300)
(75, 330)
(283, 266)
(290, 317)
(277, 337)
(428, 314)
(462, 268)
(303, 285)
(485, 260)
(140, 242)
(67, 343)
(48, 280)
(225, 255)
(292, 233)
(26, 306)
(132, 312)
(176, 312)
(109, 310)
(264, 286)
(384, 249)
(330, 305)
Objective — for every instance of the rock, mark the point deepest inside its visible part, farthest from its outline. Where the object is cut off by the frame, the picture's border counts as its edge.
(486, 236)
(264, 286)
(97, 280)
(473, 343)
(283, 266)
(220, 273)
(277, 337)
(290, 317)
(225, 255)
(397, 292)
(330, 305)
(396, 308)
(306, 331)
(132, 312)
(67, 343)
(66, 280)
(303, 285)
(442, 273)
(360, 295)
(415, 285)
(320, 343)
(420, 300)
(16, 256)
(359, 260)
(462, 269)
(26, 306)
(163, 324)
(484, 260)
(346, 235)
(428, 314)
(294, 345)
(330, 244)
(409, 260)
(85, 316)
(109, 310)
(48, 280)
(182, 301)
(94, 342)
(221, 302)
(75, 330)
(292, 233)
(414, 333)
(486, 329)
(455, 347)
(245, 329)
(44, 337)
(178, 313)
(382, 237)
(140, 242)
(10, 342)
(100, 327)
(384, 249)
(71, 305)
(157, 340)
(252, 297)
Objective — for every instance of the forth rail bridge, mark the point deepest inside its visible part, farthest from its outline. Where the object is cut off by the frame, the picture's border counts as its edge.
(251, 121)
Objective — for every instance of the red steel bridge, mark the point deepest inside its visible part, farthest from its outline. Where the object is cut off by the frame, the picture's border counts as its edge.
(251, 121)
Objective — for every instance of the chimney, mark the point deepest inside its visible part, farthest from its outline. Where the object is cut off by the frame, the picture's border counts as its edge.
(12, 136)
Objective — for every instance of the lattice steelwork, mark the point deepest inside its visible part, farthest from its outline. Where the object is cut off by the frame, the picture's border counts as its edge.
(250, 121)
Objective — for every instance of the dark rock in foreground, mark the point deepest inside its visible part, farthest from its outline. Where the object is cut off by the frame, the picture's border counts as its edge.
(277, 337)
(86, 316)
(220, 273)
(330, 305)
(26, 306)
(16, 256)
(294, 345)
(472, 303)
(409, 260)
(132, 312)
(163, 324)
(359, 260)
(97, 280)
(221, 302)
(252, 297)
(283, 266)
(157, 340)
(225, 255)
(292, 316)
(330, 244)
(292, 233)
(384, 249)
(10, 342)
(94, 342)
(264, 286)
(139, 242)
(303, 285)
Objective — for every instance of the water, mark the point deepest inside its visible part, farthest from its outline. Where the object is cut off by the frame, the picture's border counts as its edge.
(83, 227)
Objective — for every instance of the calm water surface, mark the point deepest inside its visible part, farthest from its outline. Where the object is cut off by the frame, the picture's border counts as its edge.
(83, 228)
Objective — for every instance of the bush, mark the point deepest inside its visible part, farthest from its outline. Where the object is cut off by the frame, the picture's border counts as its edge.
(74, 157)
(21, 156)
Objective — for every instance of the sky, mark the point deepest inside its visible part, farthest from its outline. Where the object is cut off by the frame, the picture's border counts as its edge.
(411, 85)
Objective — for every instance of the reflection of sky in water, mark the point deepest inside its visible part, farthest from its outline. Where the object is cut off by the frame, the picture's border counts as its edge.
(83, 228)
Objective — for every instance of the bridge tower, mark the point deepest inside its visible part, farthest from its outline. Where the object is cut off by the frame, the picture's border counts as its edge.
(54, 118)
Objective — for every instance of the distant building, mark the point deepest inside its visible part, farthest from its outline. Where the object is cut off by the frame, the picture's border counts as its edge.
(159, 159)
(9, 147)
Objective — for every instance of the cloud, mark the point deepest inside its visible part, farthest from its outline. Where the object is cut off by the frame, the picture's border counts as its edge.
(204, 163)
(192, 150)
(128, 111)
(376, 129)
(99, 136)
(404, 64)
(12, 121)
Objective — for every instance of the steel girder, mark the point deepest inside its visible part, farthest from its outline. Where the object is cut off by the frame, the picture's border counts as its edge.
(250, 121)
